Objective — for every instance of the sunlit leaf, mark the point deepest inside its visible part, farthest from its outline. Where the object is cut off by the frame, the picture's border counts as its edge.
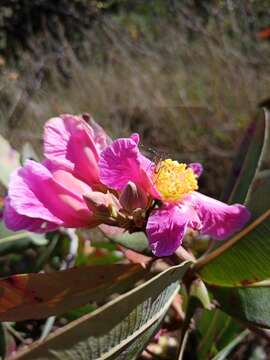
(36, 296)
(120, 329)
(242, 260)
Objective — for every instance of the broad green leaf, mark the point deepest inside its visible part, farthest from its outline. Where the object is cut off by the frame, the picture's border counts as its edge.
(9, 160)
(118, 330)
(248, 159)
(242, 260)
(36, 296)
(248, 304)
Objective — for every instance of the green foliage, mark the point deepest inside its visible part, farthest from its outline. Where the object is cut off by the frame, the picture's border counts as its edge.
(118, 330)
(216, 330)
(21, 20)
(245, 256)
(247, 304)
(136, 241)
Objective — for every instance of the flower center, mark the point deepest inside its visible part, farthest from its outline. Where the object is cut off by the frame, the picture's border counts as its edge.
(174, 180)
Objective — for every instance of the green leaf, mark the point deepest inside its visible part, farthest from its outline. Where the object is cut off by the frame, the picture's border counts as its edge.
(242, 260)
(248, 159)
(248, 304)
(77, 313)
(118, 330)
(200, 292)
(36, 296)
(217, 330)
(136, 241)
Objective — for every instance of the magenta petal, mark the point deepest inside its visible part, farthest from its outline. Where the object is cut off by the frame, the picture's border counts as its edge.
(35, 193)
(71, 140)
(101, 139)
(122, 162)
(15, 222)
(166, 228)
(219, 220)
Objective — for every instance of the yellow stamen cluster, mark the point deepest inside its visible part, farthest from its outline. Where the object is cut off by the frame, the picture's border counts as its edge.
(174, 180)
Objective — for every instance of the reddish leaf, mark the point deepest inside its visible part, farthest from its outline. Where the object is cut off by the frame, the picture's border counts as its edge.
(35, 296)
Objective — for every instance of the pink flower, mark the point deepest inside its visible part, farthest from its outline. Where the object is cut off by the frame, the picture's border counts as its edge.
(76, 144)
(86, 180)
(178, 205)
(44, 196)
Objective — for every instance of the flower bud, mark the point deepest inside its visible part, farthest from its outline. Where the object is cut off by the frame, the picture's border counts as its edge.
(103, 206)
(196, 168)
(133, 197)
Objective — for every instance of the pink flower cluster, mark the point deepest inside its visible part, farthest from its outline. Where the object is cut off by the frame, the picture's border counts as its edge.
(87, 180)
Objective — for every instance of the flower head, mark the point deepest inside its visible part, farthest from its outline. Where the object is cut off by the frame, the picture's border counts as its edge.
(87, 180)
(174, 185)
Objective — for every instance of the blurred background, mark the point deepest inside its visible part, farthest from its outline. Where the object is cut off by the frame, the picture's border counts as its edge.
(187, 75)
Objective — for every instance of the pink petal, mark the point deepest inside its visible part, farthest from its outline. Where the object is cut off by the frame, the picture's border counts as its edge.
(219, 220)
(166, 227)
(122, 162)
(102, 140)
(15, 222)
(35, 193)
(71, 140)
(65, 178)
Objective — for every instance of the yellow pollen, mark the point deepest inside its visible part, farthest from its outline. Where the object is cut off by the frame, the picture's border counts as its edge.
(174, 180)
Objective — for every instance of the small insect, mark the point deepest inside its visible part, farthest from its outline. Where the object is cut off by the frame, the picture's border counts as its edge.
(157, 158)
(158, 166)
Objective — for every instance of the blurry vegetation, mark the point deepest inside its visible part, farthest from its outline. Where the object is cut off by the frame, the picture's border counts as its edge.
(134, 65)
(187, 75)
